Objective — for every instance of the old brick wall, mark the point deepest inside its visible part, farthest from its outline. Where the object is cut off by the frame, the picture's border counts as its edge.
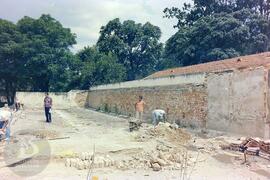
(235, 101)
(187, 103)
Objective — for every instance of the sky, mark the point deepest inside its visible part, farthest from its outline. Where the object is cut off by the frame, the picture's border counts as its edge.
(85, 17)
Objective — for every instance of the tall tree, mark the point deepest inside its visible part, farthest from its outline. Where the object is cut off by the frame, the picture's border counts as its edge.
(48, 51)
(136, 46)
(190, 13)
(12, 61)
(98, 68)
(217, 30)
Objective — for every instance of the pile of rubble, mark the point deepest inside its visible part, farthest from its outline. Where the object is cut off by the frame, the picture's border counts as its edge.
(86, 160)
(166, 131)
(163, 158)
(166, 155)
(251, 146)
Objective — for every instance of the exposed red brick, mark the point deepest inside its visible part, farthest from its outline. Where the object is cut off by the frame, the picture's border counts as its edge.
(251, 61)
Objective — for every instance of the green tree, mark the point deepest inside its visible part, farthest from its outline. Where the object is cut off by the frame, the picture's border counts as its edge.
(63, 73)
(96, 68)
(48, 52)
(12, 61)
(136, 46)
(189, 13)
(216, 33)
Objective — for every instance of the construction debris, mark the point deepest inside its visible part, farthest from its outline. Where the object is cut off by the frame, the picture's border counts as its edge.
(156, 167)
(169, 159)
(160, 148)
(84, 161)
(169, 132)
(251, 146)
(160, 158)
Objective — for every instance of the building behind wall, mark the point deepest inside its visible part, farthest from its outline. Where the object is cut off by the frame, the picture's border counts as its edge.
(231, 95)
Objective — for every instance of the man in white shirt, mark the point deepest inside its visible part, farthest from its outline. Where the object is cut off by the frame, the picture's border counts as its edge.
(157, 116)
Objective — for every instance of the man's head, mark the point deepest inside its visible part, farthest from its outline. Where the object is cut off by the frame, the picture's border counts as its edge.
(46, 94)
(140, 98)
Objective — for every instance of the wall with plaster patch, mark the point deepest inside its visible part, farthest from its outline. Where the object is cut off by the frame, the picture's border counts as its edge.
(235, 101)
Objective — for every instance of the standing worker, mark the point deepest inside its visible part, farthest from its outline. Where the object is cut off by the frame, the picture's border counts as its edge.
(139, 107)
(48, 108)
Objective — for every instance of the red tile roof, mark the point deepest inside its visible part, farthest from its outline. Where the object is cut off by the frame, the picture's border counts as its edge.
(242, 62)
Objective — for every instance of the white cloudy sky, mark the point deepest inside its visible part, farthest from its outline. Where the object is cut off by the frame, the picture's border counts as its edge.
(85, 17)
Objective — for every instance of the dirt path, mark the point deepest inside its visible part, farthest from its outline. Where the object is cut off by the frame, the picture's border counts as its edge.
(76, 131)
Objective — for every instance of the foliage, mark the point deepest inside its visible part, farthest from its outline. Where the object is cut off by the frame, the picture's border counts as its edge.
(47, 52)
(11, 59)
(98, 68)
(136, 46)
(201, 8)
(213, 30)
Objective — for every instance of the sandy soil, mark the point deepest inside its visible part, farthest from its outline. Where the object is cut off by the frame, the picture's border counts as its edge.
(75, 131)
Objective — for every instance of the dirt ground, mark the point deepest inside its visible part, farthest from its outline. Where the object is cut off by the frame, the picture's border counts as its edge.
(76, 136)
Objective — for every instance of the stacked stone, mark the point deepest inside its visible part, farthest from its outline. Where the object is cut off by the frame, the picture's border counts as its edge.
(85, 161)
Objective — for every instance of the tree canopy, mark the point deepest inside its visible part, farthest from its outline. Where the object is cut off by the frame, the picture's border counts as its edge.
(217, 29)
(97, 68)
(136, 46)
(12, 60)
(189, 14)
(47, 52)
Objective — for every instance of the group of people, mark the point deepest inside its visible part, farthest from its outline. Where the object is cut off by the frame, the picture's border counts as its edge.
(6, 115)
(157, 114)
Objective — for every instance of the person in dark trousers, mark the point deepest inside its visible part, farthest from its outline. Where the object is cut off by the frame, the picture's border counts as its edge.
(48, 107)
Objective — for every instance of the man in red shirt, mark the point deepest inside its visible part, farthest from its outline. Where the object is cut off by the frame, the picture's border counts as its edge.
(48, 107)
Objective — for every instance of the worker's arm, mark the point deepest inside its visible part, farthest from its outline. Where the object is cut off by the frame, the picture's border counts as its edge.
(144, 104)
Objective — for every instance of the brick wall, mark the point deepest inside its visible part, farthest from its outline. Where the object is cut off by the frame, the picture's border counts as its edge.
(235, 101)
(186, 103)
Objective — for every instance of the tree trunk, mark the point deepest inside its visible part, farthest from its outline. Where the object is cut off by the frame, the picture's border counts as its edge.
(10, 89)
